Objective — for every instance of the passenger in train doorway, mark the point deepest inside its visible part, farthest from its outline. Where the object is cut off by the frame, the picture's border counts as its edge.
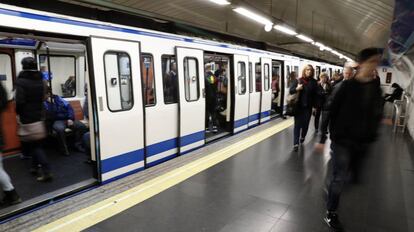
(222, 83)
(355, 111)
(324, 89)
(10, 196)
(307, 88)
(80, 127)
(211, 100)
(275, 92)
(59, 116)
(30, 93)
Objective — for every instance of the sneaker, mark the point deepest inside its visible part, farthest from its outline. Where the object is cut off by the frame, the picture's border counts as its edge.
(296, 148)
(45, 178)
(332, 221)
(215, 129)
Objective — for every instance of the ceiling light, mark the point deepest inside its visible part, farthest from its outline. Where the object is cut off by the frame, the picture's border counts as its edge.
(221, 2)
(304, 38)
(285, 30)
(251, 15)
(268, 27)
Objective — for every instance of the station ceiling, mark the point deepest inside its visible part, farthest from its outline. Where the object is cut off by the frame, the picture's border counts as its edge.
(344, 25)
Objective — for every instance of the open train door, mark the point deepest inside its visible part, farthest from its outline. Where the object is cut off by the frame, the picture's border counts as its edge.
(118, 99)
(241, 96)
(192, 98)
(266, 104)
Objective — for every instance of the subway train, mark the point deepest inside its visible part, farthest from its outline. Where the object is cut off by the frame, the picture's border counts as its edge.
(148, 98)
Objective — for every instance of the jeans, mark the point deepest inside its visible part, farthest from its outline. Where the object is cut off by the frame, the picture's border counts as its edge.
(79, 129)
(346, 159)
(59, 127)
(302, 119)
(35, 150)
(5, 181)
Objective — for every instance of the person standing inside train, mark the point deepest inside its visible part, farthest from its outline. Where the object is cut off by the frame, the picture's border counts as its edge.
(30, 93)
(307, 88)
(355, 111)
(324, 89)
(211, 100)
(10, 196)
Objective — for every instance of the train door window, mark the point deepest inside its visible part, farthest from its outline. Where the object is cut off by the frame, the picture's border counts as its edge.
(266, 77)
(258, 77)
(6, 77)
(118, 81)
(250, 77)
(62, 75)
(318, 72)
(169, 79)
(191, 79)
(296, 69)
(148, 79)
(241, 78)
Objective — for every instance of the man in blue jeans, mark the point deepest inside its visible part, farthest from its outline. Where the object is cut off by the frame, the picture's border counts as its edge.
(354, 114)
(59, 115)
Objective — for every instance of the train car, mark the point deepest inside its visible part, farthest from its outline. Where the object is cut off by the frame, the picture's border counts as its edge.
(151, 96)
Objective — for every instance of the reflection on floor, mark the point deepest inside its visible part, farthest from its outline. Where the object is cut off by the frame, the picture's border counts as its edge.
(269, 188)
(67, 170)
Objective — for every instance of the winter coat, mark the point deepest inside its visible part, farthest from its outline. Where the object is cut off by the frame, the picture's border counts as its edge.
(59, 109)
(30, 92)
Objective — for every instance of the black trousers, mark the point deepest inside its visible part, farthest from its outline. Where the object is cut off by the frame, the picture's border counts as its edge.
(302, 118)
(346, 159)
(35, 150)
(317, 117)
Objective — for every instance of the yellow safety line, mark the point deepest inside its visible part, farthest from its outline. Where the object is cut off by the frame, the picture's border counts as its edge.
(107, 208)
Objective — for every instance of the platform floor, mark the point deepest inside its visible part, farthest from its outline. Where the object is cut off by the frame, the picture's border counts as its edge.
(269, 188)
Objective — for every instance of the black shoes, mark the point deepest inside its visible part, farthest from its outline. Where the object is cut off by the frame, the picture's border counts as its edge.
(295, 148)
(11, 198)
(46, 177)
(332, 221)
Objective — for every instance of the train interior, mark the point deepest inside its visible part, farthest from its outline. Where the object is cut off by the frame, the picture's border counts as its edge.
(277, 88)
(63, 65)
(218, 95)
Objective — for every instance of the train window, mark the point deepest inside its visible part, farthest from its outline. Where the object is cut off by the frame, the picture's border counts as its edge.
(296, 69)
(266, 77)
(258, 77)
(148, 79)
(6, 78)
(288, 76)
(118, 81)
(191, 79)
(241, 78)
(62, 74)
(250, 77)
(169, 79)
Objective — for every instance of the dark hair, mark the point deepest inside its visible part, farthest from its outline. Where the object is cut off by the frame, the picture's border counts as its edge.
(367, 53)
(29, 63)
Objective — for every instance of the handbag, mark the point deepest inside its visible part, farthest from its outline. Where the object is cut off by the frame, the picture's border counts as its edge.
(32, 131)
(292, 102)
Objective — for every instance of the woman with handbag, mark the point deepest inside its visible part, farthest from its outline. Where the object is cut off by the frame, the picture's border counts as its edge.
(30, 93)
(306, 89)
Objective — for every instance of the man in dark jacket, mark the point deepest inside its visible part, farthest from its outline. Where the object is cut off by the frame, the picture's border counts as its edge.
(355, 112)
(59, 115)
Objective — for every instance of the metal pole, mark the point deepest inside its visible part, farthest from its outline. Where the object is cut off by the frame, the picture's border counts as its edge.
(49, 72)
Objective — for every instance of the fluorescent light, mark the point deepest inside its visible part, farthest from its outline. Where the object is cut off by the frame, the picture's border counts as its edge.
(221, 2)
(253, 16)
(304, 38)
(285, 30)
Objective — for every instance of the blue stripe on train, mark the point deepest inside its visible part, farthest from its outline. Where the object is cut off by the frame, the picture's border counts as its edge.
(132, 157)
(123, 160)
(251, 118)
(115, 28)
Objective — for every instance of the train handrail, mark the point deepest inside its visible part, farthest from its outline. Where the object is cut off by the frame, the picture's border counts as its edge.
(396, 114)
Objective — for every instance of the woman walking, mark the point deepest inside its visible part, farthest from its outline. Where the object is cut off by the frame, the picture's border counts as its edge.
(306, 87)
(30, 94)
